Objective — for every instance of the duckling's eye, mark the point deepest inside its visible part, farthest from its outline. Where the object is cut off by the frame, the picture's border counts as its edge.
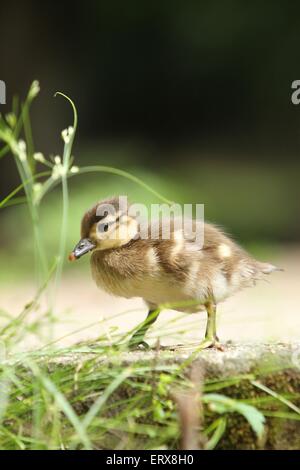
(103, 227)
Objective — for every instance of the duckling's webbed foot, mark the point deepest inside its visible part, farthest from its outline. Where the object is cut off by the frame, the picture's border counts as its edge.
(135, 346)
(211, 343)
(206, 343)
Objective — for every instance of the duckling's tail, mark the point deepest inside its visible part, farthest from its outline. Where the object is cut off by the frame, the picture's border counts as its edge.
(268, 268)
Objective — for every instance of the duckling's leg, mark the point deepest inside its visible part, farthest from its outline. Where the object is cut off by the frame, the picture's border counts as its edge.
(138, 337)
(211, 339)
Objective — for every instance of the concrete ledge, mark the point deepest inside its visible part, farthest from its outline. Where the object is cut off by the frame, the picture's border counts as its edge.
(236, 359)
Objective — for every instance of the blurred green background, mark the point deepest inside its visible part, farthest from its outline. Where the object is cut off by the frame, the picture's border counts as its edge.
(193, 97)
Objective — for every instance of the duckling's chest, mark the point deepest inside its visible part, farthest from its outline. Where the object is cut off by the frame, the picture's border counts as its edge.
(141, 278)
(125, 280)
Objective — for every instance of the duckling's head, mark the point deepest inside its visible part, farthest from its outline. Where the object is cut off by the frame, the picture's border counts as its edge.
(107, 225)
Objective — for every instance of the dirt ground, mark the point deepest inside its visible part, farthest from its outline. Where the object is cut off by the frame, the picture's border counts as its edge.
(269, 311)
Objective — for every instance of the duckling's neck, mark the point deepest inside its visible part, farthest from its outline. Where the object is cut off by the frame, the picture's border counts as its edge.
(114, 269)
(119, 260)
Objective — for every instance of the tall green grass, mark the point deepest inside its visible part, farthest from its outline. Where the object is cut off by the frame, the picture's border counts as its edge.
(93, 400)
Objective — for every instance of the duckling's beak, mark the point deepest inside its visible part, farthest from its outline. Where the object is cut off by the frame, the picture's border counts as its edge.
(83, 246)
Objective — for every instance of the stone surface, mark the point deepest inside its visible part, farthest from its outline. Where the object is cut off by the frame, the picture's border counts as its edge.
(237, 358)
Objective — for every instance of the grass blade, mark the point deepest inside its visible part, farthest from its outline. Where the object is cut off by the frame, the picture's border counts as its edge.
(221, 424)
(63, 404)
(96, 407)
(276, 395)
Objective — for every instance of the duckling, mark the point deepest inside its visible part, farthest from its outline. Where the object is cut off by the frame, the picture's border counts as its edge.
(178, 271)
